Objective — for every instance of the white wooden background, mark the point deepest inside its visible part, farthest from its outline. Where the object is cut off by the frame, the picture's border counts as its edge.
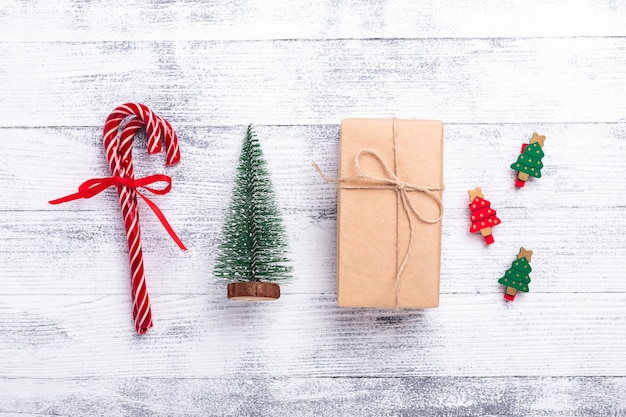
(493, 71)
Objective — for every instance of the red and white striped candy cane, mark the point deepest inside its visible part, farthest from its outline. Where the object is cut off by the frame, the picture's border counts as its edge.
(157, 128)
(119, 156)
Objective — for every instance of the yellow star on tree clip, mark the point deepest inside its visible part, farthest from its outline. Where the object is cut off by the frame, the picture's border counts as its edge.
(476, 192)
(538, 138)
(523, 253)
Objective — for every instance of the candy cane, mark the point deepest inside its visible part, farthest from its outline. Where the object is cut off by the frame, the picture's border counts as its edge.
(156, 128)
(142, 313)
(120, 161)
(119, 157)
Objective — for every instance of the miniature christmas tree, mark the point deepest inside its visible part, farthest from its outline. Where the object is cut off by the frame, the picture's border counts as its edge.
(483, 216)
(516, 278)
(529, 162)
(252, 253)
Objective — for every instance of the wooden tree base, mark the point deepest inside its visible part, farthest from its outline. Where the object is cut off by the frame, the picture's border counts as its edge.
(521, 179)
(486, 232)
(510, 294)
(256, 291)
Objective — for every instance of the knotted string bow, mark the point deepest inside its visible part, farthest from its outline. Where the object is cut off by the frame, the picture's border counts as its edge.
(365, 181)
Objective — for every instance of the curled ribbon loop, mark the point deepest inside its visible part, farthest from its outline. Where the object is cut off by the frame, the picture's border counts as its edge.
(365, 181)
(95, 186)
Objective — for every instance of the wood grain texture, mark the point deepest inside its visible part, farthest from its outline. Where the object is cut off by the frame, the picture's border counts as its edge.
(453, 397)
(307, 335)
(493, 71)
(100, 20)
(316, 82)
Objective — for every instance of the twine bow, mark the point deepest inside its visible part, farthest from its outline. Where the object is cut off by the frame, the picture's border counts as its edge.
(390, 182)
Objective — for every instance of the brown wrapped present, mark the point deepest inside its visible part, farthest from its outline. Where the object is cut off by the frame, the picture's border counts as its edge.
(389, 213)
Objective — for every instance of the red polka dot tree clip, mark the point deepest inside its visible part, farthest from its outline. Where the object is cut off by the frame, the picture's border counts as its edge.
(529, 163)
(482, 215)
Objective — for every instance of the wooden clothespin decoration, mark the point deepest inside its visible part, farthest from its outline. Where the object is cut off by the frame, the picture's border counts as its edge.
(529, 161)
(483, 216)
(516, 278)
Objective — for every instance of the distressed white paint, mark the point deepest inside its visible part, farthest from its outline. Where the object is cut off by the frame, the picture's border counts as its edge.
(211, 83)
(99, 20)
(494, 72)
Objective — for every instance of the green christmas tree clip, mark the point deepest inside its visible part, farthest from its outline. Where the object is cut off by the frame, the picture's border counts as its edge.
(516, 277)
(252, 254)
(529, 163)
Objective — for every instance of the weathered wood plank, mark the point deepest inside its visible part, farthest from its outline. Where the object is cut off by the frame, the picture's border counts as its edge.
(85, 253)
(316, 82)
(413, 396)
(59, 336)
(572, 217)
(98, 20)
(39, 164)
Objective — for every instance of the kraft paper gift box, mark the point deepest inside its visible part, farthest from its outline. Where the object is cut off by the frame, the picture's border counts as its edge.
(380, 262)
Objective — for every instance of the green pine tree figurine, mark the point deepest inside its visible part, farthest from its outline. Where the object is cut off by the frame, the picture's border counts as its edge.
(252, 253)
(516, 278)
(529, 161)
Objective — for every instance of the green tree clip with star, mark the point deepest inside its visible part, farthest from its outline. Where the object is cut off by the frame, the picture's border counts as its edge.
(529, 162)
(516, 277)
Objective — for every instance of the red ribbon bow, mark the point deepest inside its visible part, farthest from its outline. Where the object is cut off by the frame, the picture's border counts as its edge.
(95, 186)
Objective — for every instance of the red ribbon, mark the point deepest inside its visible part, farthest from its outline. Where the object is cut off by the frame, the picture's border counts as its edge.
(95, 186)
